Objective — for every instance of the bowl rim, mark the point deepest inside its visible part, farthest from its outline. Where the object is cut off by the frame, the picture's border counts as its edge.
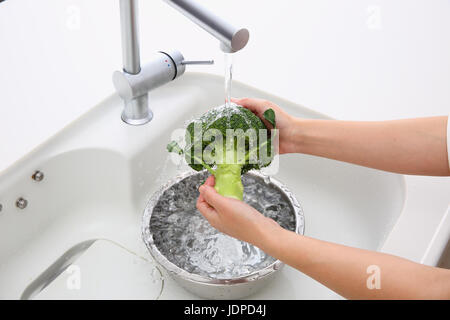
(173, 269)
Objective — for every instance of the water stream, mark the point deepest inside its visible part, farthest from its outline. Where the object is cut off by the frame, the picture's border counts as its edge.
(228, 77)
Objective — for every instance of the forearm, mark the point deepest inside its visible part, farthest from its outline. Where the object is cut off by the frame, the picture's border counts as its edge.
(344, 269)
(416, 146)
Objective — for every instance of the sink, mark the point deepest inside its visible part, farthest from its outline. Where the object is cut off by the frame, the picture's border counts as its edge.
(99, 173)
(444, 261)
(438, 251)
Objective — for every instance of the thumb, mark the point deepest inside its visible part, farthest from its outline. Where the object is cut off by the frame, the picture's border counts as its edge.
(212, 197)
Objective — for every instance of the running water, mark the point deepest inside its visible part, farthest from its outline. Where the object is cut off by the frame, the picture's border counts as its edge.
(228, 77)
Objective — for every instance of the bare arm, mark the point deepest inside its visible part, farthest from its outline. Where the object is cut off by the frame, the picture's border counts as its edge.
(415, 146)
(347, 270)
(340, 268)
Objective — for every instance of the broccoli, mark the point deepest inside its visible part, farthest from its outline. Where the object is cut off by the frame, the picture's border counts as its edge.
(230, 139)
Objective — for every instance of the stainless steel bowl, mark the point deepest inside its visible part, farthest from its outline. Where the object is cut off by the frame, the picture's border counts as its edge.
(208, 287)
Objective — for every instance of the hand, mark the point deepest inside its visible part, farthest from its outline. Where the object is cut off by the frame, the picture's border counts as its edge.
(233, 217)
(286, 124)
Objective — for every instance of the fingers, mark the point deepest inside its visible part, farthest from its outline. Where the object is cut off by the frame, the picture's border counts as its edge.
(257, 106)
(203, 206)
(214, 199)
(206, 210)
(211, 181)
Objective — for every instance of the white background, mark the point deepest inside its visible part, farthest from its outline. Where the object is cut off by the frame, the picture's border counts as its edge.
(351, 59)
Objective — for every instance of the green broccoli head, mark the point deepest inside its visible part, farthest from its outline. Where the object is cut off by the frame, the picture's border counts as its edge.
(232, 139)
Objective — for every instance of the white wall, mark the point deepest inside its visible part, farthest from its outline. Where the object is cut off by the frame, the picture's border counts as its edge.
(351, 59)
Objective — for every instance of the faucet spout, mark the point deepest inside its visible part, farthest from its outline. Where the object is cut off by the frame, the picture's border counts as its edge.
(135, 81)
(231, 39)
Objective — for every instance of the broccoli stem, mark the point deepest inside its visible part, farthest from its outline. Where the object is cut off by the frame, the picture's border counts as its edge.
(229, 181)
(228, 175)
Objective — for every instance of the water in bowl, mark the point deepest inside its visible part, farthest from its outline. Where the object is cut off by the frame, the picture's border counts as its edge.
(187, 240)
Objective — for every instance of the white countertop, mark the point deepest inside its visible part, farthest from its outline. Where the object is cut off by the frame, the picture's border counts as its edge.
(352, 59)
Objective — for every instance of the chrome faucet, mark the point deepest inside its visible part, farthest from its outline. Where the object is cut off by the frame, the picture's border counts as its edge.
(134, 82)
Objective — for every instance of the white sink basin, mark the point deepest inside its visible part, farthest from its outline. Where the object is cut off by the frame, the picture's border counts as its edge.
(99, 173)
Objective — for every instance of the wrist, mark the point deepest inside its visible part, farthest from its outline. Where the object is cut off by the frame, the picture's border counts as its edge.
(268, 233)
(304, 135)
(295, 135)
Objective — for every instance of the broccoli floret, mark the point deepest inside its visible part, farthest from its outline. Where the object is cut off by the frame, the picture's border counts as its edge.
(229, 139)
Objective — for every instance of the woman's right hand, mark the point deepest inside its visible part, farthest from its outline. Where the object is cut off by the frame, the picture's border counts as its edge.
(235, 218)
(286, 124)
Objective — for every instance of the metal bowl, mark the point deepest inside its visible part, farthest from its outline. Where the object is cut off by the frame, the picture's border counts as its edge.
(210, 287)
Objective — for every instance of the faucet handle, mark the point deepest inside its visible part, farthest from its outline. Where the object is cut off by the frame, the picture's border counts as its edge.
(194, 62)
(163, 68)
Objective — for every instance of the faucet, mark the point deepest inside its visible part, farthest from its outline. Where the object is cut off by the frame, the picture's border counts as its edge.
(134, 82)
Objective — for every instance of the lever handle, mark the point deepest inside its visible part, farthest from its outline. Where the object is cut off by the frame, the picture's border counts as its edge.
(163, 68)
(201, 62)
